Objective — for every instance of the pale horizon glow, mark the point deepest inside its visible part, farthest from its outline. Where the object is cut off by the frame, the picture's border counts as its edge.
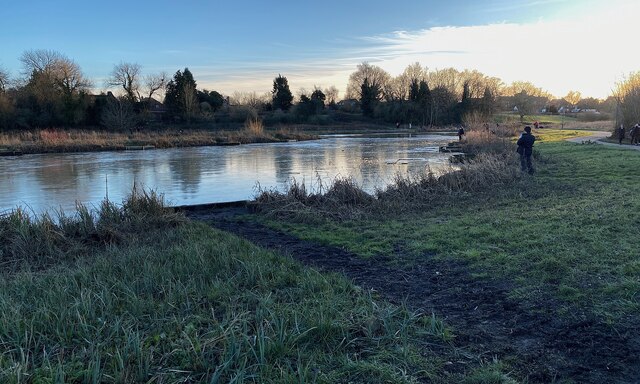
(588, 54)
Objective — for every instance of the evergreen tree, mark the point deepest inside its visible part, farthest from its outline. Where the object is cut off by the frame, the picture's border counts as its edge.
(370, 95)
(282, 96)
(181, 98)
(488, 102)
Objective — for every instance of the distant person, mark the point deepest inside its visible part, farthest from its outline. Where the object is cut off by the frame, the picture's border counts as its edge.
(536, 124)
(460, 133)
(525, 149)
(620, 134)
(634, 134)
(397, 124)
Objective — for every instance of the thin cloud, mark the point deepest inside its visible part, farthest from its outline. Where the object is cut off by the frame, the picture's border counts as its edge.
(515, 5)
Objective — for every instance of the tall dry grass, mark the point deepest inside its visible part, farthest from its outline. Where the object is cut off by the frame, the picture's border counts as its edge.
(495, 165)
(77, 140)
(34, 242)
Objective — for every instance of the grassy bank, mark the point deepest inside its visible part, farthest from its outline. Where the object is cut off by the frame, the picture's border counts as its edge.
(142, 295)
(75, 140)
(560, 245)
(567, 234)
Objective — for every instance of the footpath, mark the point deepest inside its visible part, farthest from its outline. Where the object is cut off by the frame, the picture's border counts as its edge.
(598, 136)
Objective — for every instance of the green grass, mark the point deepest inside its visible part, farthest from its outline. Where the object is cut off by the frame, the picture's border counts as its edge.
(568, 234)
(542, 119)
(193, 304)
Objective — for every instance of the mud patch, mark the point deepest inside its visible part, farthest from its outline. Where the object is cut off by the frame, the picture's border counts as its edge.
(541, 346)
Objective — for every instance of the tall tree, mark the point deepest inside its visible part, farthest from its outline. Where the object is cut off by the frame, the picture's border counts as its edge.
(627, 96)
(370, 94)
(181, 98)
(374, 75)
(56, 88)
(127, 76)
(573, 98)
(282, 97)
(4, 79)
(331, 94)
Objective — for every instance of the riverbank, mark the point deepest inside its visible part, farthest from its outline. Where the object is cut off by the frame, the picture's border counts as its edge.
(521, 279)
(77, 140)
(140, 294)
(540, 273)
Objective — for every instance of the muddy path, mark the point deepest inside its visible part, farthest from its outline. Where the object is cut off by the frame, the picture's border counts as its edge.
(539, 345)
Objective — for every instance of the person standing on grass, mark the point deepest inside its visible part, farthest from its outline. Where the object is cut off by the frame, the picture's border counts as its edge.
(525, 149)
(460, 133)
(632, 132)
(620, 134)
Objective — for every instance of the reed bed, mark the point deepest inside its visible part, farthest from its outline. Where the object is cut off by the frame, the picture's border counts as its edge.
(76, 140)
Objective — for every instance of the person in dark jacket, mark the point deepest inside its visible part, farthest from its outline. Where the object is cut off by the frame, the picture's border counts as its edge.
(525, 149)
(460, 133)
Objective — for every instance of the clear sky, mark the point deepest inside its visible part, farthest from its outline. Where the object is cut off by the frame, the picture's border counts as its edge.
(559, 45)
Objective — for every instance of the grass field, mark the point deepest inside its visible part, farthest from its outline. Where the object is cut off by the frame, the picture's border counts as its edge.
(569, 232)
(141, 295)
(564, 242)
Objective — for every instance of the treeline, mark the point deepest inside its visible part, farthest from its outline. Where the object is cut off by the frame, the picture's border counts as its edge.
(450, 96)
(54, 92)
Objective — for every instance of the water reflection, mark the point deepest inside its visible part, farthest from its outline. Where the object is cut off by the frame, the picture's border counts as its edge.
(211, 174)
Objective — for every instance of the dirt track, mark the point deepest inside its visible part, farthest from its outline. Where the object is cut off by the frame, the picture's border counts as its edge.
(542, 347)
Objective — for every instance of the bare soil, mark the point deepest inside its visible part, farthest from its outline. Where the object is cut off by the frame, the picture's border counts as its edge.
(540, 345)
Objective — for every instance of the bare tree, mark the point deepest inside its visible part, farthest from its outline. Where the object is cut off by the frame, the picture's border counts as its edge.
(573, 98)
(332, 94)
(41, 60)
(127, 76)
(118, 114)
(376, 77)
(627, 94)
(414, 73)
(250, 99)
(153, 84)
(57, 68)
(4, 79)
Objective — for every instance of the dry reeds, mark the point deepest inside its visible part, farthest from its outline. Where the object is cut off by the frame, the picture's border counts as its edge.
(254, 126)
(77, 140)
(341, 198)
(344, 199)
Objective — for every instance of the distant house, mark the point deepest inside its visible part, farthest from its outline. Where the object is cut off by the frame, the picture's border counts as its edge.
(154, 108)
(349, 103)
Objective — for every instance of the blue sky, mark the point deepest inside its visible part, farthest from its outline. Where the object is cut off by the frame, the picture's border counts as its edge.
(242, 45)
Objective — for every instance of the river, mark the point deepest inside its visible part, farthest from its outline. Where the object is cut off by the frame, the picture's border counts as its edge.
(201, 175)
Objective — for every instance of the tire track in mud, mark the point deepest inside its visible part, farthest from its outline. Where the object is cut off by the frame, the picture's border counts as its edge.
(529, 336)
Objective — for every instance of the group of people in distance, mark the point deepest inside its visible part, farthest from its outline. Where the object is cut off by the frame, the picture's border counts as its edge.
(634, 134)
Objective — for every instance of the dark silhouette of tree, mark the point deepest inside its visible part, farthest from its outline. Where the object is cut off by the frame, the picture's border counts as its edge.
(282, 96)
(181, 98)
(370, 95)
(213, 98)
